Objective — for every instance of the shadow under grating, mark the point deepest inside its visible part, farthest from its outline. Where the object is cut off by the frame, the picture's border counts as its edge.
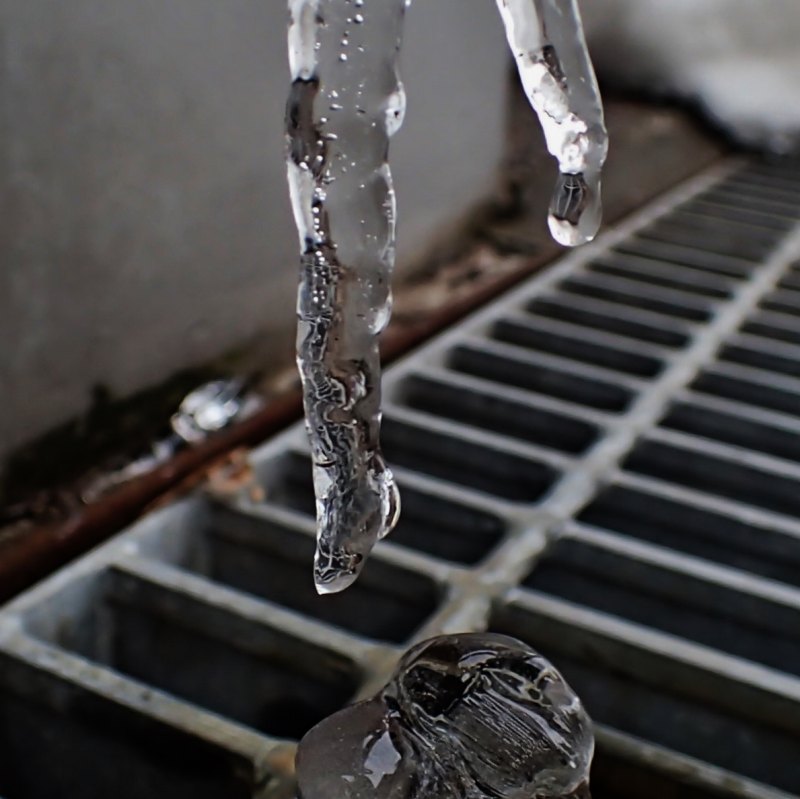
(661, 596)
(575, 347)
(655, 332)
(670, 253)
(455, 460)
(709, 422)
(490, 412)
(675, 524)
(742, 238)
(91, 749)
(737, 480)
(665, 276)
(273, 682)
(703, 210)
(773, 327)
(625, 422)
(719, 239)
(756, 388)
(786, 302)
(540, 378)
(626, 292)
(779, 358)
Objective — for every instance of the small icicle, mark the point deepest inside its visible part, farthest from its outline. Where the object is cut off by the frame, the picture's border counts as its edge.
(346, 101)
(546, 37)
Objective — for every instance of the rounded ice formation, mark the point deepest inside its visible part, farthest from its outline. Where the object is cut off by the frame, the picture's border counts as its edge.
(473, 716)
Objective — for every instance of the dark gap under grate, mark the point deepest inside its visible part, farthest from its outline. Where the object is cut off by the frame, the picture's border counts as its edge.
(790, 283)
(728, 478)
(502, 416)
(753, 219)
(767, 329)
(719, 242)
(676, 525)
(749, 392)
(100, 750)
(670, 253)
(671, 601)
(454, 460)
(273, 682)
(668, 277)
(742, 231)
(626, 293)
(761, 359)
(784, 302)
(559, 308)
(578, 349)
(773, 193)
(722, 272)
(750, 203)
(540, 379)
(741, 432)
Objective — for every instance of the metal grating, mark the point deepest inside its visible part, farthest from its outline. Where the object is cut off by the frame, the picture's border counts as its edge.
(604, 463)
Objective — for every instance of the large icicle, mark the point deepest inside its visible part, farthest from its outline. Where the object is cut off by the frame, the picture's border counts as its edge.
(346, 102)
(546, 37)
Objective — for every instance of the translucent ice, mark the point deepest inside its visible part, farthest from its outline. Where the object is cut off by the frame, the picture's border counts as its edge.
(546, 37)
(474, 716)
(345, 103)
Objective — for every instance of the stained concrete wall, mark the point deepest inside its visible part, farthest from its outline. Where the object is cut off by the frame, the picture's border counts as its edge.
(143, 213)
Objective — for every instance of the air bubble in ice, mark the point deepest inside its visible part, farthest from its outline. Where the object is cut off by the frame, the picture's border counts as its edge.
(475, 716)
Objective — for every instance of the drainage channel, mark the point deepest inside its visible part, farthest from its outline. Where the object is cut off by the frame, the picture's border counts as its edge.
(604, 463)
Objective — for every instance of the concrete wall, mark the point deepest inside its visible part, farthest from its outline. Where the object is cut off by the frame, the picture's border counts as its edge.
(143, 213)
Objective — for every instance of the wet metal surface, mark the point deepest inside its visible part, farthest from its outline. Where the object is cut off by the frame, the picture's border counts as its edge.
(603, 463)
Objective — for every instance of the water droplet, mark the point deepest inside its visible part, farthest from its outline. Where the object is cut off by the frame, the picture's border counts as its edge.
(575, 211)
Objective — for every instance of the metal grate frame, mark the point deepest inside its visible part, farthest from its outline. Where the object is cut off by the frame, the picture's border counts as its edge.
(605, 463)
